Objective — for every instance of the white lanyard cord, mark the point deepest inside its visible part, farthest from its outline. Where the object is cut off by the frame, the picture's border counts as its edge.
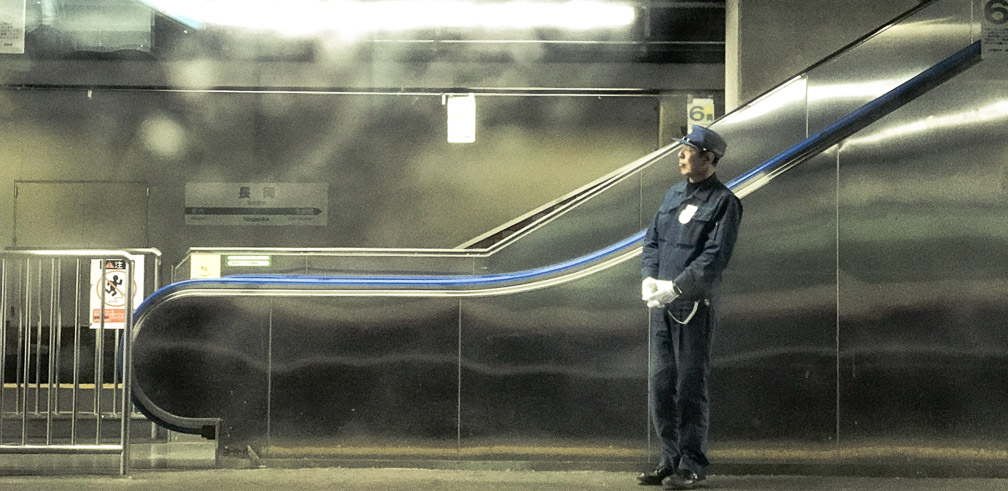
(689, 317)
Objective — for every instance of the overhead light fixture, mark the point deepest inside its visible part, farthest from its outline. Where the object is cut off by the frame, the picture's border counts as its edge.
(353, 18)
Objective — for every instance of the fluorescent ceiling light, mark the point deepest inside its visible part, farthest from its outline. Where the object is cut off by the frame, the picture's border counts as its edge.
(355, 17)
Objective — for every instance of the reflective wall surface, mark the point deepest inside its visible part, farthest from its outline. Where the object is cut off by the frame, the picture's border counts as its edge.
(921, 285)
(392, 179)
(864, 303)
(553, 373)
(775, 356)
(862, 307)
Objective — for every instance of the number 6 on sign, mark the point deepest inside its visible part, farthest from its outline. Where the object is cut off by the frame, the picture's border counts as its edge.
(700, 111)
(996, 11)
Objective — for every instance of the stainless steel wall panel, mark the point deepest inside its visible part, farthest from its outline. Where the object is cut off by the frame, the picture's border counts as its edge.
(774, 355)
(292, 262)
(562, 368)
(87, 213)
(417, 263)
(763, 128)
(363, 372)
(605, 219)
(248, 262)
(393, 179)
(864, 301)
(922, 283)
(209, 355)
(655, 181)
(889, 58)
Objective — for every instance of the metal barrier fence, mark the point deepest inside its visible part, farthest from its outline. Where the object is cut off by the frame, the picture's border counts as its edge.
(65, 316)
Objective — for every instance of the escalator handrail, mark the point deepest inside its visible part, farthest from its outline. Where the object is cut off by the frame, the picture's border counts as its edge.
(802, 151)
(798, 153)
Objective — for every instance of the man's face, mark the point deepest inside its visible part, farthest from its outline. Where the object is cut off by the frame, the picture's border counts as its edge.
(695, 164)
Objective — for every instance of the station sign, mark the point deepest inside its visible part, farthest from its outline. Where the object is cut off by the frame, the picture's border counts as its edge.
(699, 111)
(256, 203)
(993, 28)
(12, 27)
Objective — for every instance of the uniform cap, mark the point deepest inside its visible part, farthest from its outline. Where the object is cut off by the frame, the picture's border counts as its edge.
(705, 139)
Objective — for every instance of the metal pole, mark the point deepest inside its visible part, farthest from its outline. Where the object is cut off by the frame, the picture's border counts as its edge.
(38, 342)
(50, 406)
(127, 363)
(115, 375)
(76, 356)
(59, 330)
(3, 338)
(99, 354)
(20, 340)
(25, 300)
(26, 359)
(157, 273)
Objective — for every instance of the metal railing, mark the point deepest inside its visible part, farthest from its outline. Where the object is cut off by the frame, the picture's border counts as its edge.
(66, 315)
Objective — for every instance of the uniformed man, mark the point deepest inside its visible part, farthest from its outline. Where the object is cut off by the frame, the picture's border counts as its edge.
(686, 248)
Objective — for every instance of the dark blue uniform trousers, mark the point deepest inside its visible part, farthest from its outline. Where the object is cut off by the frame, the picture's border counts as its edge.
(679, 370)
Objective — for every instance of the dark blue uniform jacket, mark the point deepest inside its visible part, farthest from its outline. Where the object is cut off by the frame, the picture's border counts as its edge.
(691, 238)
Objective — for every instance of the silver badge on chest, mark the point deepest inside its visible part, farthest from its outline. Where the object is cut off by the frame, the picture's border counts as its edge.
(687, 214)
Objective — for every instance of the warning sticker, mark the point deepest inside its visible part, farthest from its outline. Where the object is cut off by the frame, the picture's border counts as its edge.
(12, 26)
(109, 290)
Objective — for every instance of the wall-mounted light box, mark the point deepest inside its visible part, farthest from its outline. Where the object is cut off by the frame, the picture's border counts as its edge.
(461, 117)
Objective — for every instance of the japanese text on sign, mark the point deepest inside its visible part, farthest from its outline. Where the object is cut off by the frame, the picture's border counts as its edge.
(994, 28)
(12, 26)
(244, 203)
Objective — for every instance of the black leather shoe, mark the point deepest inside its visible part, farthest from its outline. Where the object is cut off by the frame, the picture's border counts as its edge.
(655, 477)
(683, 479)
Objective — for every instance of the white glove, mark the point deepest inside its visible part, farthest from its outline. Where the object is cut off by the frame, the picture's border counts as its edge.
(665, 293)
(648, 287)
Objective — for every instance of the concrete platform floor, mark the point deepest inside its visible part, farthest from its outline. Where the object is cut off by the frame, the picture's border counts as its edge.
(338, 478)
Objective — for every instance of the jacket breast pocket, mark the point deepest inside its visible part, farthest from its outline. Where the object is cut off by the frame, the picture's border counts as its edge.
(693, 229)
(666, 222)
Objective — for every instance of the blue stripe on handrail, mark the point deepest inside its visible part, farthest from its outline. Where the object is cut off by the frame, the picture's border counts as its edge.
(397, 281)
(829, 135)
